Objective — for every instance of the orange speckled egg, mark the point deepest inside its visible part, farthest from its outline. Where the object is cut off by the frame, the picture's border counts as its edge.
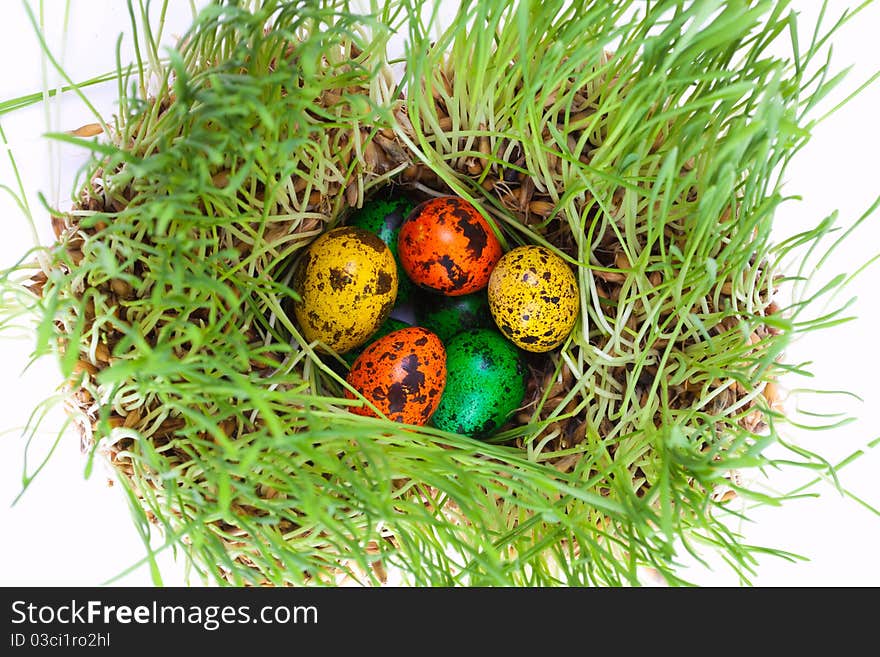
(446, 245)
(403, 374)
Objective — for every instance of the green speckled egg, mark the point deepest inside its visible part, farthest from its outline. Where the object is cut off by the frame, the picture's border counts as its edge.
(383, 217)
(533, 296)
(347, 283)
(389, 325)
(485, 383)
(446, 316)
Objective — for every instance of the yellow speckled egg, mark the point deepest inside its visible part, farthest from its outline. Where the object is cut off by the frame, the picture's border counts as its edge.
(347, 281)
(533, 297)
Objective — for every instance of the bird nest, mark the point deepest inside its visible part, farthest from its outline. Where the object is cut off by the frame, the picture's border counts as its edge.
(641, 151)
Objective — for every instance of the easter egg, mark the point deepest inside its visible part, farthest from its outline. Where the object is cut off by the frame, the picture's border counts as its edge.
(446, 245)
(403, 374)
(383, 217)
(447, 316)
(533, 297)
(486, 382)
(347, 283)
(389, 325)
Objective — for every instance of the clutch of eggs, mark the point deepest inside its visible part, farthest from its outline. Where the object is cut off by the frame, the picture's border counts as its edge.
(477, 309)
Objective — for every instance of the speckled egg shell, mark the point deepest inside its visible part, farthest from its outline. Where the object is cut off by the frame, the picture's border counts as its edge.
(485, 384)
(446, 245)
(403, 374)
(533, 297)
(347, 281)
(383, 217)
(447, 316)
(389, 325)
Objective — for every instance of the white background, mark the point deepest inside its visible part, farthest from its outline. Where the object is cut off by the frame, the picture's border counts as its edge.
(66, 530)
